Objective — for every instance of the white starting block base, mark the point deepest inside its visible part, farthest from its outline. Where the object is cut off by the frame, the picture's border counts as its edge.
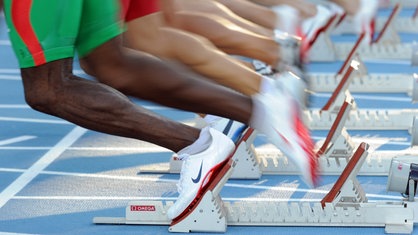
(387, 46)
(368, 83)
(405, 3)
(401, 25)
(399, 51)
(345, 205)
(364, 119)
(395, 217)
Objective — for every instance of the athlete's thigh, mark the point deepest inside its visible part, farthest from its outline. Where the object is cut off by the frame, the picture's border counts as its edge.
(42, 31)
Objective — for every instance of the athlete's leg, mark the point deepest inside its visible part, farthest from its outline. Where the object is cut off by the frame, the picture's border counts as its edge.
(52, 88)
(305, 8)
(140, 75)
(216, 8)
(229, 37)
(258, 14)
(148, 34)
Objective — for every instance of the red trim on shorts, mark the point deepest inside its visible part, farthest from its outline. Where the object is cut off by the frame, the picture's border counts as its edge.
(133, 9)
(20, 11)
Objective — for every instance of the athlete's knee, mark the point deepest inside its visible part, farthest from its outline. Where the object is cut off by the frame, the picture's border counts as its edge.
(43, 87)
(106, 63)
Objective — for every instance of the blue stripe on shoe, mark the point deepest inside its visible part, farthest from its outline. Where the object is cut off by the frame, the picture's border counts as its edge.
(228, 127)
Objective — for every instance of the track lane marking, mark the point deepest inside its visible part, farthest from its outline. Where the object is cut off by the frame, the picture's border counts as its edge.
(24, 179)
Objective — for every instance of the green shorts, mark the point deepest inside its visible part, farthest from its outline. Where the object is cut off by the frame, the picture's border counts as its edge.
(42, 31)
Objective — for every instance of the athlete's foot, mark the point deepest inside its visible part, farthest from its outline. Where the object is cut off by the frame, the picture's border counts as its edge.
(312, 27)
(277, 113)
(291, 53)
(364, 19)
(197, 169)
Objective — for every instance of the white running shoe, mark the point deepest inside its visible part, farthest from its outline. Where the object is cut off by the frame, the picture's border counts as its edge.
(231, 128)
(278, 115)
(197, 170)
(361, 22)
(364, 19)
(295, 84)
(312, 26)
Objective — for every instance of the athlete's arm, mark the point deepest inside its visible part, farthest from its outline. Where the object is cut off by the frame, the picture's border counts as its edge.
(1, 5)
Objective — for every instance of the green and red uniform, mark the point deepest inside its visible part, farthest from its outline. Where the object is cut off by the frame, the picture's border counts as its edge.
(42, 31)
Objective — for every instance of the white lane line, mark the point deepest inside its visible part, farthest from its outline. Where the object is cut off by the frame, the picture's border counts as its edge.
(156, 178)
(21, 106)
(381, 61)
(156, 149)
(374, 140)
(118, 198)
(14, 106)
(370, 97)
(12, 170)
(5, 43)
(110, 149)
(17, 71)
(5, 233)
(16, 139)
(10, 77)
(24, 179)
(33, 120)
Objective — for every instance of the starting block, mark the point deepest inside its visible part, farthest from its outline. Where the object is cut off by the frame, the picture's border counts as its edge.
(405, 3)
(359, 119)
(401, 25)
(336, 116)
(345, 205)
(245, 160)
(364, 82)
(334, 152)
(386, 46)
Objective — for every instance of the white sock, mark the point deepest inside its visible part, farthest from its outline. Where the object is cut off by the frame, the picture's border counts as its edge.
(200, 145)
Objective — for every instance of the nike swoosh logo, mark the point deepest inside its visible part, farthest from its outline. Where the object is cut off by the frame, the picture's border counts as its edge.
(197, 179)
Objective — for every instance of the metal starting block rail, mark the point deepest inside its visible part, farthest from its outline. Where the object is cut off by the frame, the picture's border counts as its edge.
(363, 81)
(386, 46)
(345, 205)
(359, 119)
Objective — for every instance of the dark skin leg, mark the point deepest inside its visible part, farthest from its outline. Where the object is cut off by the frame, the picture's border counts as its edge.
(53, 89)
